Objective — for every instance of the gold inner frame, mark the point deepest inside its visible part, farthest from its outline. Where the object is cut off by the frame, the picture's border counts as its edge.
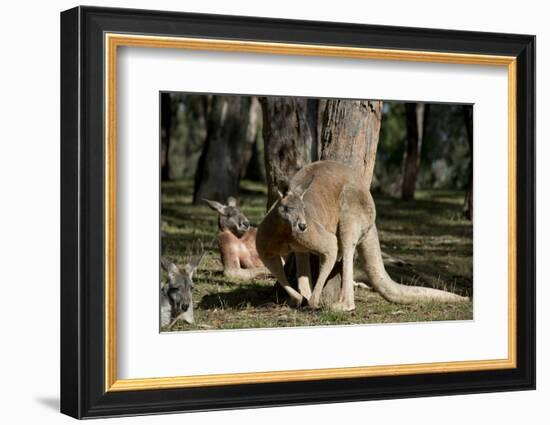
(113, 41)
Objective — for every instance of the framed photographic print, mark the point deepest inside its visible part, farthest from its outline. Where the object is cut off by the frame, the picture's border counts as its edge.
(261, 212)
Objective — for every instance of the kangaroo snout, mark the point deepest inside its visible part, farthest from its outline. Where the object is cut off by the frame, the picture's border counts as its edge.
(302, 227)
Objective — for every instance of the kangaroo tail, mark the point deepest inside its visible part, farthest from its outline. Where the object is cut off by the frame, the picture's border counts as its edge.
(371, 256)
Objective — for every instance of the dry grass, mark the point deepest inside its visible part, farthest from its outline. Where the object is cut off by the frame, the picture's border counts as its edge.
(429, 233)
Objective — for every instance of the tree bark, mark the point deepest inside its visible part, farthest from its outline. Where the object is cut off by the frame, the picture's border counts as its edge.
(165, 134)
(220, 164)
(350, 130)
(468, 111)
(287, 140)
(416, 117)
(349, 134)
(313, 109)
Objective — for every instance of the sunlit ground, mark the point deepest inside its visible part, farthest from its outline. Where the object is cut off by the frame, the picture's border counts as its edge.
(429, 233)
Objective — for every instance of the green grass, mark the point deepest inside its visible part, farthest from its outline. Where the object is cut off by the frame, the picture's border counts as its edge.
(429, 233)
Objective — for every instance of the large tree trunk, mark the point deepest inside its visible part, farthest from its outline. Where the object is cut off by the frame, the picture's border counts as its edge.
(220, 165)
(416, 120)
(298, 131)
(289, 144)
(165, 134)
(468, 111)
(350, 131)
(287, 140)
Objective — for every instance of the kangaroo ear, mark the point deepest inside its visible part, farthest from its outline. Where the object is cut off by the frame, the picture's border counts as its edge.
(304, 187)
(193, 264)
(282, 188)
(231, 201)
(303, 193)
(171, 268)
(216, 206)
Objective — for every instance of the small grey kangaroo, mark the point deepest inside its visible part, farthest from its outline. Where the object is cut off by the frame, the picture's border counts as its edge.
(326, 210)
(176, 295)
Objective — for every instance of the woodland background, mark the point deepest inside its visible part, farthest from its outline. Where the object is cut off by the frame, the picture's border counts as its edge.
(420, 146)
(416, 157)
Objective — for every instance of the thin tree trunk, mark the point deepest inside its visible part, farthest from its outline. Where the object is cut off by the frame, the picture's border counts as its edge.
(468, 111)
(416, 117)
(287, 140)
(166, 130)
(251, 135)
(255, 170)
(189, 131)
(220, 165)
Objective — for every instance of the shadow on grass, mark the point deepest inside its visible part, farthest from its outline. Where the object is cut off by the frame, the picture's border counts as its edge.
(429, 232)
(246, 295)
(423, 217)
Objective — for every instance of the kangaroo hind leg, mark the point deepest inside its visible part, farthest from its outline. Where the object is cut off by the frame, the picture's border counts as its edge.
(348, 243)
(303, 268)
(327, 249)
(355, 216)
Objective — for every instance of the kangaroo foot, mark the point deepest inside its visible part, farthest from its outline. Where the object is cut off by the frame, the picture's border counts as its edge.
(305, 291)
(295, 301)
(314, 302)
(342, 306)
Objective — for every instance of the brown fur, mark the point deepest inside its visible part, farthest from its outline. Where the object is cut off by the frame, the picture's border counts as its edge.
(237, 246)
(340, 215)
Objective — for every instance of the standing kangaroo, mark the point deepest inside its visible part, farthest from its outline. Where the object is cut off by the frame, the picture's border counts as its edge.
(237, 242)
(328, 211)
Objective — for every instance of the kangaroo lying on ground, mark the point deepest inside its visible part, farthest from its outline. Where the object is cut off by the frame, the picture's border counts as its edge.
(327, 211)
(176, 295)
(237, 242)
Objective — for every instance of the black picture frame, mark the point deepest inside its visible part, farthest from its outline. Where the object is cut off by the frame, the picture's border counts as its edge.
(83, 392)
